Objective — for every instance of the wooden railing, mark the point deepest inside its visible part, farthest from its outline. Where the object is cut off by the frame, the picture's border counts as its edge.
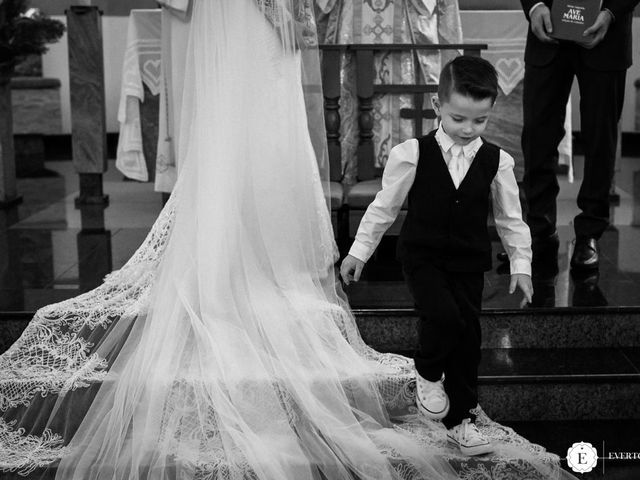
(366, 89)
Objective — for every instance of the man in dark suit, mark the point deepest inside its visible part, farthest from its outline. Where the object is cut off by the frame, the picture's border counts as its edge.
(599, 62)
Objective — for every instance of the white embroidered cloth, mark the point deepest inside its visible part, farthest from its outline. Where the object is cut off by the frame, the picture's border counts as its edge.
(505, 33)
(141, 66)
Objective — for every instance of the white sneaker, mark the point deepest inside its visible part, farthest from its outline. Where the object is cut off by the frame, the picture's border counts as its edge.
(431, 398)
(469, 439)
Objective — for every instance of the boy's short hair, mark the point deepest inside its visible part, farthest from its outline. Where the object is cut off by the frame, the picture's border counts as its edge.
(469, 76)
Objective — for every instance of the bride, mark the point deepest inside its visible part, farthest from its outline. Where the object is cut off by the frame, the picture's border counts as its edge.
(224, 348)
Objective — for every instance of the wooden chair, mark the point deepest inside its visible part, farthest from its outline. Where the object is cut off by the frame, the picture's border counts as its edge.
(357, 197)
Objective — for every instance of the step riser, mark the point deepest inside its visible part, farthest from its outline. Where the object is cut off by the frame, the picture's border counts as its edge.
(10, 331)
(517, 399)
(399, 333)
(575, 401)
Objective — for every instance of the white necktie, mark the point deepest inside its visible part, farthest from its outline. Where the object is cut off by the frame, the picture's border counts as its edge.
(457, 167)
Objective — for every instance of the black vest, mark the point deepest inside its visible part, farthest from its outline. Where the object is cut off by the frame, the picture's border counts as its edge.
(445, 226)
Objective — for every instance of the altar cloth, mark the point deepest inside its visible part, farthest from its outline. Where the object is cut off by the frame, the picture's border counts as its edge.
(142, 66)
(505, 33)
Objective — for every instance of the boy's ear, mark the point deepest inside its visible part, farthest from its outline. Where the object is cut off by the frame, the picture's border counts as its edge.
(435, 103)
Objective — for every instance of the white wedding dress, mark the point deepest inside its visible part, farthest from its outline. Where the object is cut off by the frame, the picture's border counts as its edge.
(223, 348)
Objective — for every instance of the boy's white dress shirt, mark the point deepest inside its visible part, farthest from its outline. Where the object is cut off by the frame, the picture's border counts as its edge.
(398, 177)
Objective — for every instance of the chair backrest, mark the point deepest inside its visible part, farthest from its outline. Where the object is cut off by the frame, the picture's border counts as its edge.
(366, 89)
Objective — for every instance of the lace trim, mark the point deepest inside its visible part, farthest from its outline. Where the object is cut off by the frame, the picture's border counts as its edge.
(272, 12)
(53, 355)
(24, 453)
(302, 18)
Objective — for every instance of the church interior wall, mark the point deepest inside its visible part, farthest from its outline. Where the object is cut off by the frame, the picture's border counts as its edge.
(55, 62)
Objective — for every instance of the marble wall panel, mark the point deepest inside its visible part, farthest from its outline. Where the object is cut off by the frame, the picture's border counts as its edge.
(86, 73)
(36, 111)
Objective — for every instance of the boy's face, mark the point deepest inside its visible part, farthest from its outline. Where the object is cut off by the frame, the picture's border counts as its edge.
(463, 118)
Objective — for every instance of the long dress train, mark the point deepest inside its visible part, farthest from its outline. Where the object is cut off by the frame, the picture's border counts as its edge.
(224, 348)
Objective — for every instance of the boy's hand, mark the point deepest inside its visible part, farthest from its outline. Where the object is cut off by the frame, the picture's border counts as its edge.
(524, 283)
(350, 269)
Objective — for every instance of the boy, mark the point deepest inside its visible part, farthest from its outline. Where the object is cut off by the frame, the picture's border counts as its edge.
(444, 245)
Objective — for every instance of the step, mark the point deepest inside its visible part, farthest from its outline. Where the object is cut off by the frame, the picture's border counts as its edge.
(395, 329)
(555, 364)
(390, 330)
(560, 384)
(529, 384)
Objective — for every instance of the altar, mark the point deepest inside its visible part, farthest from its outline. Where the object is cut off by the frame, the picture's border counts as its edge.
(150, 83)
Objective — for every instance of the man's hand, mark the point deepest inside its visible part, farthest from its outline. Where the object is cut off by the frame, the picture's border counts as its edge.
(541, 24)
(523, 282)
(596, 32)
(350, 269)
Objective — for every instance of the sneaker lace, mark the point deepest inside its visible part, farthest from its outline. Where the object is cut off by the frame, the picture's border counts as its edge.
(433, 393)
(470, 432)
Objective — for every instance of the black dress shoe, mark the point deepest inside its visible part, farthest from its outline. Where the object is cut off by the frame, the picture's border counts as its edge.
(585, 254)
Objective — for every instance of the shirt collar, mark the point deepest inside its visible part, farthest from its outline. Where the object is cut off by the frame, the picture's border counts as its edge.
(446, 142)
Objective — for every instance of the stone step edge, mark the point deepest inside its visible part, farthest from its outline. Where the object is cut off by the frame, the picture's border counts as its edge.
(550, 378)
(514, 312)
(412, 312)
(583, 378)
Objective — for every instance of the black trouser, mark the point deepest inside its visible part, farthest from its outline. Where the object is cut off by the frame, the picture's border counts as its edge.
(449, 333)
(545, 95)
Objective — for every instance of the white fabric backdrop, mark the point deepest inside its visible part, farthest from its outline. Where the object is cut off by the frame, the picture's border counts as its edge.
(505, 32)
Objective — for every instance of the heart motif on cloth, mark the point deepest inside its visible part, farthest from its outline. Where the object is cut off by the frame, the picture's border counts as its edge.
(510, 73)
(151, 75)
(509, 68)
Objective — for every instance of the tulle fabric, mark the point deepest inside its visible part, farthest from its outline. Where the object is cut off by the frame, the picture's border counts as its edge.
(224, 348)
(240, 365)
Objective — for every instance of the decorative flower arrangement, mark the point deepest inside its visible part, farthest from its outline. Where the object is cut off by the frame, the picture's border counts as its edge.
(25, 31)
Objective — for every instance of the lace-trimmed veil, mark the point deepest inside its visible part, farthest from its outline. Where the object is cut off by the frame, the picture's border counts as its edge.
(224, 348)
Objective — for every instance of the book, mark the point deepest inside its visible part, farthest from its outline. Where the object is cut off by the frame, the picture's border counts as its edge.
(570, 18)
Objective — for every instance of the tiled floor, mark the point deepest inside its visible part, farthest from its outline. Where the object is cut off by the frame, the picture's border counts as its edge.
(46, 256)
(50, 255)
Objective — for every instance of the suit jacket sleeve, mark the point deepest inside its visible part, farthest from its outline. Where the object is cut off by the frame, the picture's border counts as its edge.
(617, 7)
(527, 4)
